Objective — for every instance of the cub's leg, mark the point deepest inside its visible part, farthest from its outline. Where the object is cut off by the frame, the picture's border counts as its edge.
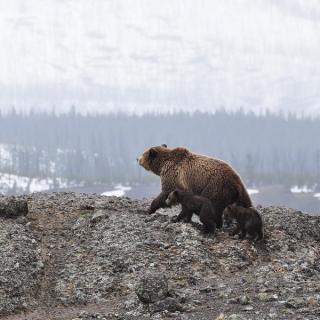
(255, 232)
(260, 234)
(242, 233)
(217, 204)
(235, 231)
(208, 221)
(251, 232)
(188, 216)
(182, 215)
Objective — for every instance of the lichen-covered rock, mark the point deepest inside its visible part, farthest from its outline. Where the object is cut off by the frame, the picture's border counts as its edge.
(99, 254)
(152, 288)
(11, 207)
(20, 268)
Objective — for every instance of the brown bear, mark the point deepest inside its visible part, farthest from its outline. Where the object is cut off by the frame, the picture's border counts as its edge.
(249, 221)
(208, 177)
(192, 203)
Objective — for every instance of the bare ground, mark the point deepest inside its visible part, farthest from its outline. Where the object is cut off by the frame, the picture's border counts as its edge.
(93, 251)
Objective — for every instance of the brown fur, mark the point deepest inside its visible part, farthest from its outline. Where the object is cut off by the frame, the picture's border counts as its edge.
(208, 177)
(193, 204)
(249, 221)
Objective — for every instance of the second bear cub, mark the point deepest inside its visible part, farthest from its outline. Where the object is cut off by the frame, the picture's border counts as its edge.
(192, 203)
(249, 221)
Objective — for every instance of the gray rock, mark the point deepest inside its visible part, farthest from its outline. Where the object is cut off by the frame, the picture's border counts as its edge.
(295, 303)
(244, 300)
(20, 276)
(265, 297)
(12, 207)
(235, 317)
(169, 304)
(152, 288)
(99, 215)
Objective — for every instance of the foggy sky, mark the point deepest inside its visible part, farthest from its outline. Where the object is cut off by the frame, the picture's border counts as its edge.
(147, 55)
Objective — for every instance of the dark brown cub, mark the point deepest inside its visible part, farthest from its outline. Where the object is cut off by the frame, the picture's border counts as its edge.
(192, 203)
(248, 220)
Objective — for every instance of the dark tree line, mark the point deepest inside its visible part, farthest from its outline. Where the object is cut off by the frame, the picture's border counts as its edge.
(265, 149)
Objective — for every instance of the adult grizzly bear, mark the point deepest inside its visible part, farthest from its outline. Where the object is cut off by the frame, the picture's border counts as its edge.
(208, 177)
(192, 203)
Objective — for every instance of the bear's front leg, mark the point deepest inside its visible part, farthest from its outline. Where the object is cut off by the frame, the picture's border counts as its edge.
(159, 202)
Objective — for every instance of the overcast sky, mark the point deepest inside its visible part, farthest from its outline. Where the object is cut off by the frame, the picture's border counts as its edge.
(147, 55)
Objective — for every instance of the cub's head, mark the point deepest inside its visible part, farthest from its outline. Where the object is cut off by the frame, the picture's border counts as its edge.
(172, 198)
(229, 215)
(151, 158)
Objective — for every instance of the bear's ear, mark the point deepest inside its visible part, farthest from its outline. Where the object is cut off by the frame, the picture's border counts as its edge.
(164, 145)
(153, 153)
(176, 192)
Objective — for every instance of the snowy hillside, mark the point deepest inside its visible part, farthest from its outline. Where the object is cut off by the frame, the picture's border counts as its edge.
(142, 55)
(14, 184)
(11, 182)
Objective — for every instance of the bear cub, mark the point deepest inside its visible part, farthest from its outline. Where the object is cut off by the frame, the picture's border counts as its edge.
(192, 203)
(248, 221)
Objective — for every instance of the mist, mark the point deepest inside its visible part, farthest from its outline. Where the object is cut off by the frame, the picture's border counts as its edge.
(160, 56)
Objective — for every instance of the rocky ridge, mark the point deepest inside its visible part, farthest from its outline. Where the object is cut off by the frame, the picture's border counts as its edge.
(81, 256)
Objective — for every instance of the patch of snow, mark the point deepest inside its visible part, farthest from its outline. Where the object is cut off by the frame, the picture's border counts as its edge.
(120, 191)
(5, 155)
(317, 195)
(38, 185)
(20, 184)
(302, 189)
(253, 191)
(114, 193)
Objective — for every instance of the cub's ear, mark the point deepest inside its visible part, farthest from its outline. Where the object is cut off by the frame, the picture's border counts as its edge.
(153, 153)
(176, 192)
(164, 145)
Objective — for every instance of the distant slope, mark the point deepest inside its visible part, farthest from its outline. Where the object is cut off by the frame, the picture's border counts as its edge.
(161, 56)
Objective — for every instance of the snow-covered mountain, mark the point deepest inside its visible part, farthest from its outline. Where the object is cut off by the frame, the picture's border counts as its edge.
(160, 55)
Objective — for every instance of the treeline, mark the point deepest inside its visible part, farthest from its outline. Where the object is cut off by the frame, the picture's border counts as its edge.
(265, 149)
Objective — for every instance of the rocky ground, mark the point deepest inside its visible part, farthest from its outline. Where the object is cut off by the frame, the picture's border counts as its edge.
(80, 256)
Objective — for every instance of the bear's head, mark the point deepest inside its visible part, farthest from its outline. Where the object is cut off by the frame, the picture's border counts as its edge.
(151, 159)
(172, 198)
(229, 215)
